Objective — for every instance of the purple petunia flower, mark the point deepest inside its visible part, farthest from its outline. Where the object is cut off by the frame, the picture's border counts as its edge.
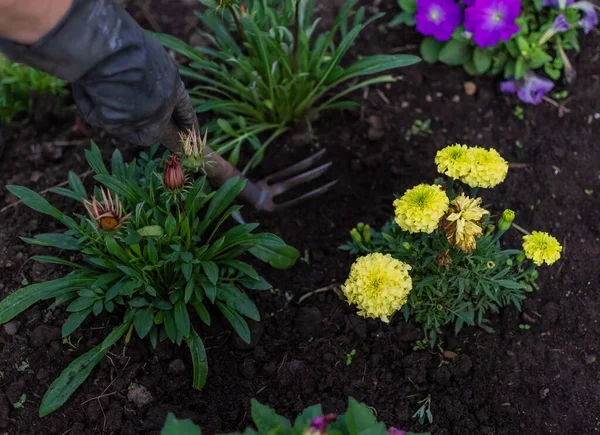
(560, 24)
(555, 3)
(590, 17)
(492, 20)
(530, 89)
(468, 2)
(438, 18)
(394, 431)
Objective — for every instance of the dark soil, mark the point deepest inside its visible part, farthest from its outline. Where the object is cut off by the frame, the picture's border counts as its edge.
(543, 380)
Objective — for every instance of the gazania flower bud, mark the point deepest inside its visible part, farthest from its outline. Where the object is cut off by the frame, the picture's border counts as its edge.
(508, 216)
(173, 177)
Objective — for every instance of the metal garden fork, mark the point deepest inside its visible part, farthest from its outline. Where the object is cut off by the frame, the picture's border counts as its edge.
(261, 194)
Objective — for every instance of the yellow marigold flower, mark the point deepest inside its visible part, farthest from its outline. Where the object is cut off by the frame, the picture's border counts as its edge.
(462, 224)
(455, 161)
(421, 208)
(541, 247)
(378, 285)
(488, 168)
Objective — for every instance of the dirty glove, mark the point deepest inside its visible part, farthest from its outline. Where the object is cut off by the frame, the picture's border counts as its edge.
(123, 80)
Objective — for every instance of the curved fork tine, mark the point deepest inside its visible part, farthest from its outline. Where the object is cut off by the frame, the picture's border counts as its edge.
(306, 196)
(303, 178)
(295, 168)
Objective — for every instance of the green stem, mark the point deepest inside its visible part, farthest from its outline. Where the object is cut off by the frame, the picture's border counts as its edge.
(238, 24)
(261, 151)
(296, 35)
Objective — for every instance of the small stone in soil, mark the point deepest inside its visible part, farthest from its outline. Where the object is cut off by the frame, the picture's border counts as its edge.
(140, 396)
(176, 367)
(470, 88)
(11, 328)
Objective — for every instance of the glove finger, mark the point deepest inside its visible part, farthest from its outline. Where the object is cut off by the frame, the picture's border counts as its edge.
(184, 114)
(85, 105)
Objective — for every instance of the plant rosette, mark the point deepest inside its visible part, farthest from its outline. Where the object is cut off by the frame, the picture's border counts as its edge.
(156, 248)
(439, 260)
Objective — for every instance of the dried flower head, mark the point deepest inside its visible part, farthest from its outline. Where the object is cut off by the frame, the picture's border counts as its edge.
(455, 161)
(194, 145)
(173, 176)
(378, 285)
(541, 247)
(488, 168)
(108, 214)
(462, 224)
(421, 208)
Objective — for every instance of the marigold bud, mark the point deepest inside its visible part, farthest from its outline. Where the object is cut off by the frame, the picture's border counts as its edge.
(508, 216)
(173, 177)
(406, 246)
(366, 232)
(355, 235)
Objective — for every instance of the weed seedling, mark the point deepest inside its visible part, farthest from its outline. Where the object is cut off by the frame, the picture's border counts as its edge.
(419, 345)
(421, 127)
(588, 192)
(561, 95)
(519, 113)
(524, 326)
(350, 356)
(21, 402)
(24, 366)
(519, 144)
(424, 411)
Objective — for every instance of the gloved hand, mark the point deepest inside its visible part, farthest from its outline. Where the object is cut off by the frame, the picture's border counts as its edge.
(123, 80)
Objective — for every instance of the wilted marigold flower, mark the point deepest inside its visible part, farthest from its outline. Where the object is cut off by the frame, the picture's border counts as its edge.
(421, 208)
(173, 176)
(455, 161)
(488, 168)
(462, 224)
(541, 247)
(378, 285)
(108, 214)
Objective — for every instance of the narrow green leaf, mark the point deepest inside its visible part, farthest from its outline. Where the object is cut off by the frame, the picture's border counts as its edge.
(54, 240)
(202, 312)
(73, 376)
(242, 267)
(199, 360)
(56, 260)
(94, 159)
(237, 322)
(74, 320)
(182, 320)
(238, 301)
(80, 304)
(267, 420)
(211, 270)
(33, 200)
(143, 321)
(272, 250)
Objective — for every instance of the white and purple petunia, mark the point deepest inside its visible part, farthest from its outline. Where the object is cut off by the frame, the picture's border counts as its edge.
(555, 3)
(438, 18)
(530, 89)
(492, 20)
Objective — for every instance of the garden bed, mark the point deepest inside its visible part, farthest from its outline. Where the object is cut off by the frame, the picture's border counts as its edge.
(538, 380)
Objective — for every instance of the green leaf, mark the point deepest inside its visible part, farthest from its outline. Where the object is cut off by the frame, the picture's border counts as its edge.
(237, 322)
(267, 421)
(359, 417)
(211, 270)
(151, 231)
(143, 321)
(272, 250)
(33, 200)
(54, 240)
(170, 327)
(182, 320)
(174, 426)
(80, 304)
(139, 302)
(261, 284)
(179, 46)
(455, 52)
(226, 127)
(198, 359)
(77, 186)
(74, 320)
(482, 60)
(239, 301)
(18, 301)
(403, 18)
(116, 250)
(73, 376)
(509, 284)
(56, 260)
(170, 226)
(520, 68)
(242, 267)
(222, 199)
(409, 6)
(430, 49)
(189, 290)
(202, 312)
(94, 159)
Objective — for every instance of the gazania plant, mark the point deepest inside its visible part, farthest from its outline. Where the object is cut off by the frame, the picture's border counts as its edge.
(157, 249)
(358, 419)
(270, 68)
(513, 38)
(440, 259)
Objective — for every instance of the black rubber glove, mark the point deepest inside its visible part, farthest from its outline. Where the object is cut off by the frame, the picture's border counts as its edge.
(123, 80)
